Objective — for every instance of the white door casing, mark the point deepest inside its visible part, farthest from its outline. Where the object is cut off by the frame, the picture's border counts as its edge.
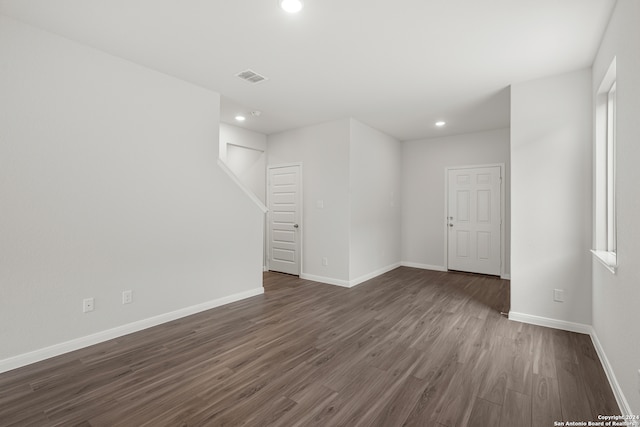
(285, 214)
(474, 219)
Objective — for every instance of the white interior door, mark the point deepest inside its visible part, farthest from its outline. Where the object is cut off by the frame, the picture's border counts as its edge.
(284, 219)
(474, 220)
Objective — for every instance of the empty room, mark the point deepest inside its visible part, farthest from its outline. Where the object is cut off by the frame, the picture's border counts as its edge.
(319, 212)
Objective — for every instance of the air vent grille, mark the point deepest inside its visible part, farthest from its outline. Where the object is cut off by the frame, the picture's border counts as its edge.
(251, 76)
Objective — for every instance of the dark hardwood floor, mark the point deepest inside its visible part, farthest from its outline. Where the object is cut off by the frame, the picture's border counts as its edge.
(411, 347)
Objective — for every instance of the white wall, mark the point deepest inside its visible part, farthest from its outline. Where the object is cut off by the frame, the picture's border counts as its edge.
(423, 197)
(244, 152)
(108, 181)
(616, 298)
(374, 182)
(324, 151)
(551, 197)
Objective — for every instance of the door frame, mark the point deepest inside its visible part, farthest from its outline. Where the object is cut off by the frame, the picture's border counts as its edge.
(301, 216)
(502, 211)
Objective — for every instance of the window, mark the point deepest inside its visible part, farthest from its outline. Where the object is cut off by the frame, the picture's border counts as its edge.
(611, 169)
(605, 245)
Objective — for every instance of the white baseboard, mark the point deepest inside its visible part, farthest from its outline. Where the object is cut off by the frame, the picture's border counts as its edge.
(550, 323)
(613, 381)
(364, 278)
(349, 283)
(82, 342)
(326, 280)
(439, 268)
(583, 329)
(423, 266)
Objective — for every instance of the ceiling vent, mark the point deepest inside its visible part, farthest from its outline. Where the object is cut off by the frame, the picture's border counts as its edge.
(251, 76)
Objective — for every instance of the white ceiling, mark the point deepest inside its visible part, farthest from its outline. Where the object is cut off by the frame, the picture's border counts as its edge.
(396, 65)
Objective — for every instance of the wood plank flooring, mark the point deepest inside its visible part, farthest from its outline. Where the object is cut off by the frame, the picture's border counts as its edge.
(411, 347)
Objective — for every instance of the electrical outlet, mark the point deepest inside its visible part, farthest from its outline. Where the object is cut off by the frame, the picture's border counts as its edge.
(320, 204)
(325, 261)
(87, 305)
(127, 297)
(558, 295)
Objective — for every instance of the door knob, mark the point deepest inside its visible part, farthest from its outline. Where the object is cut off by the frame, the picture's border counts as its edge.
(295, 225)
(450, 225)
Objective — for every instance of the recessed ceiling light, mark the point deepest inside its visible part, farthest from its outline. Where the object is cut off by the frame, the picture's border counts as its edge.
(291, 6)
(440, 123)
(241, 118)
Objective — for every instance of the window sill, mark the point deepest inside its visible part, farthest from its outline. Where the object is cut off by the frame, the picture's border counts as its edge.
(608, 259)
